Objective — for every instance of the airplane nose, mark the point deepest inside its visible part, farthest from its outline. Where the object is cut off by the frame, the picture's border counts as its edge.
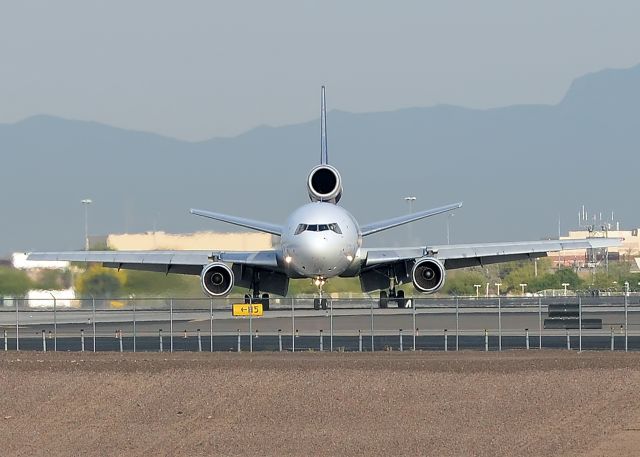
(313, 256)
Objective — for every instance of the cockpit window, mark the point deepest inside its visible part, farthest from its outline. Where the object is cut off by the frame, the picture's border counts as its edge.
(318, 228)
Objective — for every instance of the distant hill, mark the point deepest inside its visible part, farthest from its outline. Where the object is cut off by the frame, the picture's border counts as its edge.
(516, 168)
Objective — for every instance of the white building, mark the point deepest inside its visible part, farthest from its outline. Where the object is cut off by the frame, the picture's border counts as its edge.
(19, 261)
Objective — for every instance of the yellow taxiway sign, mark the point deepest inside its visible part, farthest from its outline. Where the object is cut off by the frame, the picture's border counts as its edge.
(246, 309)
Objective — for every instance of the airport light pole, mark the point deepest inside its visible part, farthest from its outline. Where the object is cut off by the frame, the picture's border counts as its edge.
(523, 285)
(477, 286)
(498, 284)
(565, 285)
(449, 216)
(86, 202)
(410, 199)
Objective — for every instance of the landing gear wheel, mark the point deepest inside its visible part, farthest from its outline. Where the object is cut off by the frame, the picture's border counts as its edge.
(402, 302)
(384, 301)
(247, 298)
(316, 303)
(323, 303)
(265, 302)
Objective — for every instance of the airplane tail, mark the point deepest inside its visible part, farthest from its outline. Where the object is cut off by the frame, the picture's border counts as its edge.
(324, 156)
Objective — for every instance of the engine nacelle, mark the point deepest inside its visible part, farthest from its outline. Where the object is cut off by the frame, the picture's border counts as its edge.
(216, 279)
(324, 184)
(428, 275)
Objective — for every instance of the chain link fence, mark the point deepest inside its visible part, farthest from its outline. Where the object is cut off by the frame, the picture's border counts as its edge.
(435, 324)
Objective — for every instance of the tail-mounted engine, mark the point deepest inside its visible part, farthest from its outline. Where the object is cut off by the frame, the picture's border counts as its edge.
(324, 184)
(216, 279)
(428, 274)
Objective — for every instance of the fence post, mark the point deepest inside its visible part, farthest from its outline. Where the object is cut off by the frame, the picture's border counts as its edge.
(134, 325)
(211, 325)
(81, 340)
(457, 321)
(372, 342)
(250, 325)
(44, 342)
(55, 325)
(239, 341)
(526, 337)
(199, 341)
(446, 341)
(568, 340)
(6, 341)
(401, 348)
(612, 339)
(293, 325)
(171, 325)
(160, 336)
(499, 324)
(331, 323)
(359, 340)
(486, 340)
(413, 306)
(539, 323)
(17, 328)
(93, 321)
(120, 339)
(321, 346)
(626, 323)
(580, 324)
(279, 340)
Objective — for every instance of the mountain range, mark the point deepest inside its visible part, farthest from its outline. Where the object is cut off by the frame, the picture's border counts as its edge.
(522, 171)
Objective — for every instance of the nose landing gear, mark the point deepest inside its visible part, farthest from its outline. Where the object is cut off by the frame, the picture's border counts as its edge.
(320, 302)
(394, 296)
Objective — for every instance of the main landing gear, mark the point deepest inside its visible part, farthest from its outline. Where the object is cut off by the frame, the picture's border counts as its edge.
(394, 296)
(264, 299)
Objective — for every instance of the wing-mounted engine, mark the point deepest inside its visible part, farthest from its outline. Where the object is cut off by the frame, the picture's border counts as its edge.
(324, 184)
(216, 279)
(428, 275)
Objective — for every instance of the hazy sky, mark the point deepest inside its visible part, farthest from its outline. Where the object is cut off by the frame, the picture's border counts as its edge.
(197, 69)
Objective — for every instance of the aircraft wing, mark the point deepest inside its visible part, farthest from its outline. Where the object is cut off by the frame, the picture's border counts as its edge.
(468, 255)
(241, 221)
(183, 262)
(375, 227)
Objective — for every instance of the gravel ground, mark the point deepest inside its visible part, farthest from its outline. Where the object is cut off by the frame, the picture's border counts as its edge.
(470, 403)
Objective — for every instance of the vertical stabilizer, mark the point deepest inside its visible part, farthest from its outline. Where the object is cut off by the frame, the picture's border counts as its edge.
(324, 156)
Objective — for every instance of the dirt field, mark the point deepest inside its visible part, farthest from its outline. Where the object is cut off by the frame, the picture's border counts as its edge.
(513, 403)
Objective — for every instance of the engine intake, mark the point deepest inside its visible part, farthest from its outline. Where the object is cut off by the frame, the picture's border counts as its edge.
(324, 184)
(216, 279)
(428, 274)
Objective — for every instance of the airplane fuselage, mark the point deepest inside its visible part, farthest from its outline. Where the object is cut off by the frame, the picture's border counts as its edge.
(320, 240)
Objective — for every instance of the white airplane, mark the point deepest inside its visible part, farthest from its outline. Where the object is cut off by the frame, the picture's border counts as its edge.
(322, 240)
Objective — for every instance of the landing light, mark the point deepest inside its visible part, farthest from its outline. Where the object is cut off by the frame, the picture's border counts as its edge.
(288, 259)
(350, 258)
